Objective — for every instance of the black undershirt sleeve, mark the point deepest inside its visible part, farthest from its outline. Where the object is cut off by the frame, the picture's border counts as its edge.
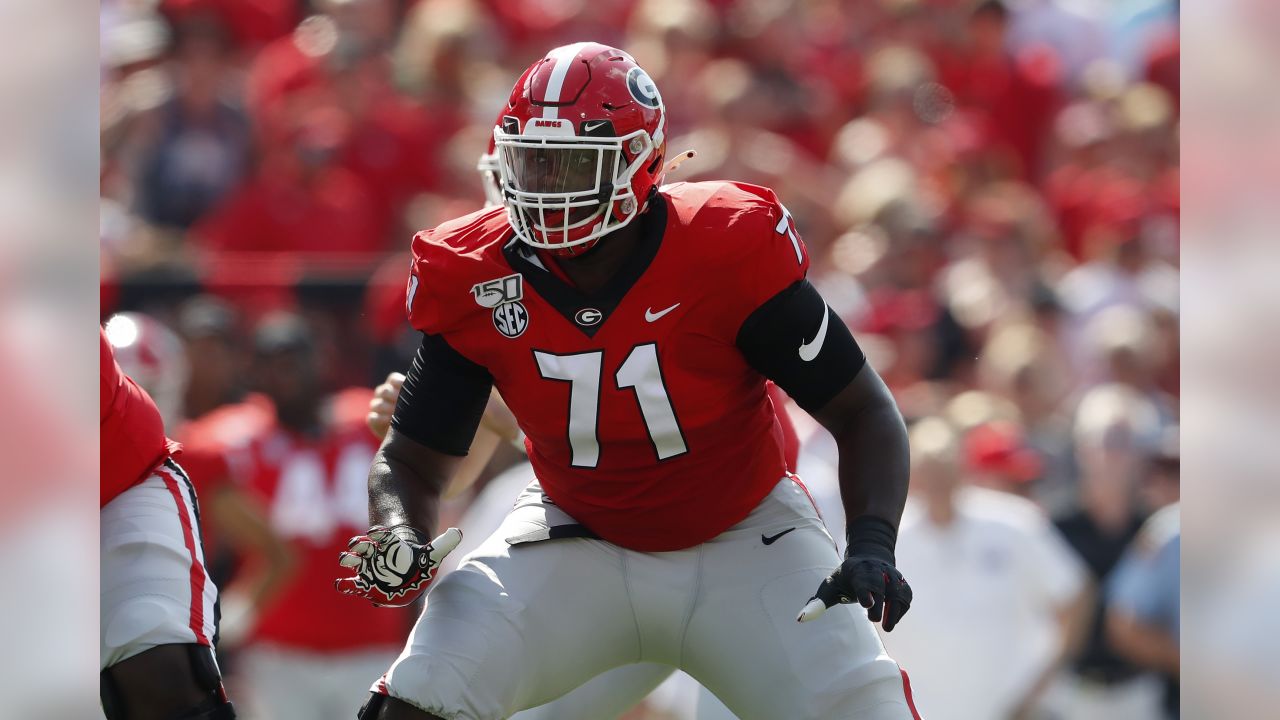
(798, 342)
(443, 398)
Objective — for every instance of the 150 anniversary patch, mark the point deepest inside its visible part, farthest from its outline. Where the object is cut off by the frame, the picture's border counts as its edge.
(504, 295)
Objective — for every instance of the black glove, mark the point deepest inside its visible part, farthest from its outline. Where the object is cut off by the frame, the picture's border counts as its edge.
(867, 576)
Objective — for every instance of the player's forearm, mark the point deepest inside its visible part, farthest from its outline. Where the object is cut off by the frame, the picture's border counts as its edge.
(279, 568)
(403, 493)
(1075, 619)
(242, 521)
(1143, 644)
(874, 462)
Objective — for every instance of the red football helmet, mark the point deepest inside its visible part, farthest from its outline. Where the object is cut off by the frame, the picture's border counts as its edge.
(580, 146)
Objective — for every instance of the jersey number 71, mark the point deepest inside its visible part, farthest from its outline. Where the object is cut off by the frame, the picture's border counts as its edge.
(640, 372)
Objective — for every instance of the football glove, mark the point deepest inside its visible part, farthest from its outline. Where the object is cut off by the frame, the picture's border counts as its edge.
(867, 576)
(394, 565)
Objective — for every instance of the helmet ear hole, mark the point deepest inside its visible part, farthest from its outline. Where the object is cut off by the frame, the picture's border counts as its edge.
(653, 166)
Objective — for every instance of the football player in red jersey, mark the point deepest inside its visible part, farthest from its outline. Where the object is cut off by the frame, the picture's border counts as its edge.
(631, 332)
(233, 524)
(158, 605)
(310, 652)
(614, 692)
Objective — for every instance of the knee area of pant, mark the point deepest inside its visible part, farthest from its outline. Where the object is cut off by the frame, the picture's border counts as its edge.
(386, 707)
(140, 620)
(440, 688)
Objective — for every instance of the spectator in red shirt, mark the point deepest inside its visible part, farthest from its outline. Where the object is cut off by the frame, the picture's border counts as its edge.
(1012, 98)
(300, 200)
(252, 24)
(312, 652)
(392, 143)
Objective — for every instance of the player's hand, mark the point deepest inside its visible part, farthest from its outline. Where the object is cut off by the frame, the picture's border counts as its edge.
(383, 404)
(394, 565)
(872, 581)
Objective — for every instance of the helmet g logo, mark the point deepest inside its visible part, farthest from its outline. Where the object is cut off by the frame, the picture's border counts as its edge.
(643, 88)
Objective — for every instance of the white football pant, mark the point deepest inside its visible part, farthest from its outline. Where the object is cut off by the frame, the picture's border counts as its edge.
(519, 626)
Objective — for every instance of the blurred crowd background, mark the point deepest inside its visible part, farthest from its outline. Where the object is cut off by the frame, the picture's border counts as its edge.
(989, 191)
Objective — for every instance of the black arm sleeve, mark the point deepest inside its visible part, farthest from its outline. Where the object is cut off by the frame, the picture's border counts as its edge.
(443, 398)
(798, 342)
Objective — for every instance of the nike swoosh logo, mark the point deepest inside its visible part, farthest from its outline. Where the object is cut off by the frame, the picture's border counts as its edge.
(588, 127)
(650, 315)
(810, 350)
(769, 540)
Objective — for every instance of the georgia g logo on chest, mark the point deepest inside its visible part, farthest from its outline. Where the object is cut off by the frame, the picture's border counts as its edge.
(503, 295)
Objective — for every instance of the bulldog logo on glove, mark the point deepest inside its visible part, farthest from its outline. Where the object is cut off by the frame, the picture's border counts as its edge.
(394, 565)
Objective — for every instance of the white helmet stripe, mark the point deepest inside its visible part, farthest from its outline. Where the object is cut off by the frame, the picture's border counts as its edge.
(564, 60)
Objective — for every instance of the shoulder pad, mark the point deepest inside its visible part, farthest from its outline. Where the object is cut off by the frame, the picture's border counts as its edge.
(448, 261)
(722, 202)
(744, 231)
(733, 219)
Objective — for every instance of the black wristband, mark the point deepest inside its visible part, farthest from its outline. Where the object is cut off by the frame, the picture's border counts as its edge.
(871, 535)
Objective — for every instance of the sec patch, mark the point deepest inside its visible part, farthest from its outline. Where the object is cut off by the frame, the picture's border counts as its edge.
(511, 319)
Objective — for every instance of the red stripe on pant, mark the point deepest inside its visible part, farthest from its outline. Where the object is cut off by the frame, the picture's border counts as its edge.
(796, 479)
(906, 688)
(197, 569)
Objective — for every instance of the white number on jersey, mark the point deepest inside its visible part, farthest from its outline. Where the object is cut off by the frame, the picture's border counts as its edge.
(786, 226)
(639, 372)
(301, 505)
(582, 371)
(309, 507)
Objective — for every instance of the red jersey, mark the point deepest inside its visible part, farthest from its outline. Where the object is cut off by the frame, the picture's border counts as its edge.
(215, 445)
(315, 490)
(131, 430)
(643, 419)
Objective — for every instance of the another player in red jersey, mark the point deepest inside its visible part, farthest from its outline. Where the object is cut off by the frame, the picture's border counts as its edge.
(631, 331)
(158, 605)
(233, 524)
(310, 652)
